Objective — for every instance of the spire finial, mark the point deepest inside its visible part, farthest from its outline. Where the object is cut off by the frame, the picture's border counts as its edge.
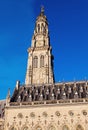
(42, 9)
(8, 98)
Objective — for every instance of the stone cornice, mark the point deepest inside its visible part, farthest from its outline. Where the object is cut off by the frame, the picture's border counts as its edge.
(39, 48)
(49, 103)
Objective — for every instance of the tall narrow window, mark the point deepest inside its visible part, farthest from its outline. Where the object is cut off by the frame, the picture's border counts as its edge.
(42, 61)
(35, 62)
(42, 27)
(38, 28)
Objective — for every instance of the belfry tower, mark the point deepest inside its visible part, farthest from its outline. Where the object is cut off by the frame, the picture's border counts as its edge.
(41, 104)
(40, 59)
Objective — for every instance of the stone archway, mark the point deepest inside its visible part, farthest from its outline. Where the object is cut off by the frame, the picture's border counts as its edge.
(79, 127)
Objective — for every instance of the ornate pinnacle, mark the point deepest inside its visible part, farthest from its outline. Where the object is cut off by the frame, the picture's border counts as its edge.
(8, 96)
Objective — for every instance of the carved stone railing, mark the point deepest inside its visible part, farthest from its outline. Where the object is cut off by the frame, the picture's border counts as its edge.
(68, 101)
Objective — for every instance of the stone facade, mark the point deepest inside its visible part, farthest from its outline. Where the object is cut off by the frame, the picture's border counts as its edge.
(48, 116)
(2, 106)
(2, 112)
(42, 104)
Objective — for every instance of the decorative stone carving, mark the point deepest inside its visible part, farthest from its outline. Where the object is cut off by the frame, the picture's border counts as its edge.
(84, 112)
(13, 128)
(38, 128)
(52, 127)
(57, 113)
(45, 114)
(20, 115)
(25, 128)
(79, 127)
(32, 114)
(71, 113)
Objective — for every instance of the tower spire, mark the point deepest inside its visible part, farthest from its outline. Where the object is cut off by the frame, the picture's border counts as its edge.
(40, 59)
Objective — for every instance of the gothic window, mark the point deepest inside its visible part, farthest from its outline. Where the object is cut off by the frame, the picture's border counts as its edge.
(38, 128)
(35, 62)
(42, 61)
(42, 27)
(52, 128)
(79, 127)
(25, 128)
(38, 28)
(65, 127)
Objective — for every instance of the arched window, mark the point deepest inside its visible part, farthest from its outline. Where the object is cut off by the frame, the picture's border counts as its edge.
(35, 62)
(52, 127)
(38, 128)
(65, 127)
(38, 28)
(25, 128)
(79, 127)
(42, 61)
(42, 27)
(13, 128)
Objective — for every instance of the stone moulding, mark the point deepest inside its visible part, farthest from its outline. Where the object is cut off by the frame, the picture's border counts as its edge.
(50, 102)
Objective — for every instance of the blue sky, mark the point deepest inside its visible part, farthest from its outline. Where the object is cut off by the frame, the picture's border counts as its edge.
(68, 26)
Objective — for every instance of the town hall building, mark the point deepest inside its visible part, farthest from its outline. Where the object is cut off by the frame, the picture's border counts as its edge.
(41, 103)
